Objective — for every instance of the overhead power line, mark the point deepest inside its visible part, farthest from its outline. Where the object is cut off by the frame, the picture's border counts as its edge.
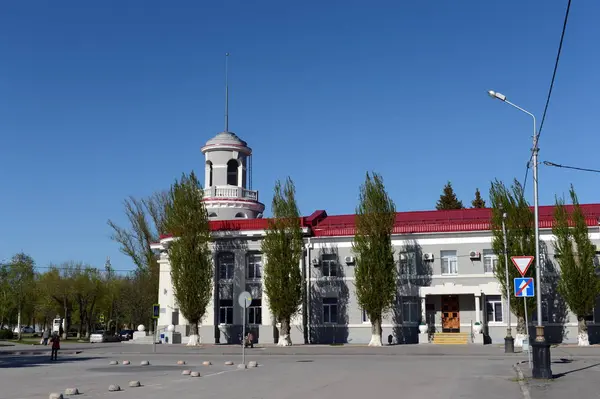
(556, 165)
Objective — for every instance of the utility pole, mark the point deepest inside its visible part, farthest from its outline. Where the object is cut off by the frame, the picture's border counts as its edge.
(509, 341)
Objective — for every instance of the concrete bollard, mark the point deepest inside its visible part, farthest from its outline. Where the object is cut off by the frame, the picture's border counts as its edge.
(144, 363)
(114, 388)
(113, 362)
(71, 391)
(186, 372)
(241, 366)
(229, 363)
(252, 364)
(206, 363)
(134, 384)
(180, 362)
(55, 395)
(126, 362)
(195, 374)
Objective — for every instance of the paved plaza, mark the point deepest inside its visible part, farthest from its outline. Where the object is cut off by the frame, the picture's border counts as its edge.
(410, 371)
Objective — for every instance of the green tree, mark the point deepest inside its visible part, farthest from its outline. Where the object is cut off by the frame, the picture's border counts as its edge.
(57, 285)
(87, 289)
(7, 300)
(189, 254)
(478, 202)
(283, 248)
(520, 236)
(375, 272)
(448, 199)
(146, 222)
(21, 280)
(579, 285)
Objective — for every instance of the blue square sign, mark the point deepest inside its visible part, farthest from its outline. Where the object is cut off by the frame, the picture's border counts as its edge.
(524, 287)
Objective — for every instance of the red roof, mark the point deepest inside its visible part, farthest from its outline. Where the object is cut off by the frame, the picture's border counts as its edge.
(461, 220)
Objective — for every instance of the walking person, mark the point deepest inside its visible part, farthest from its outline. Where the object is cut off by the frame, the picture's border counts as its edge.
(55, 340)
(45, 337)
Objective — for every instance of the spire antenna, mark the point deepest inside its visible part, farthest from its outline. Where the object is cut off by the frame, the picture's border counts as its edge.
(226, 93)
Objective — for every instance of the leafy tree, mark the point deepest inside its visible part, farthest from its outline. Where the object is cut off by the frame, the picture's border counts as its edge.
(146, 219)
(375, 272)
(87, 290)
(520, 236)
(579, 285)
(189, 254)
(56, 285)
(448, 199)
(282, 247)
(21, 279)
(478, 202)
(7, 300)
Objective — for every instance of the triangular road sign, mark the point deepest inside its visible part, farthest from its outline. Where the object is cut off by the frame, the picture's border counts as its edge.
(522, 263)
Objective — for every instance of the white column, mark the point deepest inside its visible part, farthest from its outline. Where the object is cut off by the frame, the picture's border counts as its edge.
(240, 174)
(477, 308)
(423, 308)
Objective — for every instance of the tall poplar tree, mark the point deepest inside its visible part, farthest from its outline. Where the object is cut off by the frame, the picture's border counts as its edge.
(448, 199)
(283, 248)
(375, 272)
(520, 236)
(478, 202)
(189, 253)
(579, 285)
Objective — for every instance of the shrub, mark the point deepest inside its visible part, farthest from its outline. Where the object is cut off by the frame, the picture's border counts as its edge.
(6, 334)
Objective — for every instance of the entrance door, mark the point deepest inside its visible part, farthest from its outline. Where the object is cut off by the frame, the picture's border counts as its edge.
(450, 314)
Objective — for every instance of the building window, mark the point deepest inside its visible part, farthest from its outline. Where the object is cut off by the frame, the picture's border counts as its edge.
(232, 172)
(329, 265)
(241, 215)
(410, 309)
(408, 264)
(209, 169)
(212, 215)
(175, 317)
(490, 261)
(255, 312)
(493, 307)
(254, 267)
(330, 310)
(226, 266)
(449, 262)
(365, 317)
(226, 311)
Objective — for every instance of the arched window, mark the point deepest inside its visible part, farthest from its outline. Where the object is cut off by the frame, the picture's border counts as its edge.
(209, 174)
(241, 215)
(212, 215)
(232, 172)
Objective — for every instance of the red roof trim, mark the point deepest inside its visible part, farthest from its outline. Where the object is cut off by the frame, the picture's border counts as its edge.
(462, 220)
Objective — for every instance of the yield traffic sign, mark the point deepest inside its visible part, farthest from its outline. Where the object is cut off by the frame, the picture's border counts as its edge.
(522, 263)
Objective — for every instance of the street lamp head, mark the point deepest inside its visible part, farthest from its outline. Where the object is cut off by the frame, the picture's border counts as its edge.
(497, 95)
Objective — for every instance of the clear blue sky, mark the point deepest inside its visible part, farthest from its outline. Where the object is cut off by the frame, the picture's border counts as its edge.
(99, 102)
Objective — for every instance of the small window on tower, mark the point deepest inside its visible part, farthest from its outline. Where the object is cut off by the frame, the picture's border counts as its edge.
(240, 215)
(212, 215)
(232, 172)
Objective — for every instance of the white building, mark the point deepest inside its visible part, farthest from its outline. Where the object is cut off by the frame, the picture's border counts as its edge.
(444, 258)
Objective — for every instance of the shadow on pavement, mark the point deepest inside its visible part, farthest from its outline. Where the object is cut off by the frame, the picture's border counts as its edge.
(559, 375)
(22, 361)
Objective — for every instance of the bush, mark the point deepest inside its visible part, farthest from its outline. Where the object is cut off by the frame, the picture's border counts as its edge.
(6, 334)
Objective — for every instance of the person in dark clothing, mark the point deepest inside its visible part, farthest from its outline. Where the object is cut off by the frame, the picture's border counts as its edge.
(55, 340)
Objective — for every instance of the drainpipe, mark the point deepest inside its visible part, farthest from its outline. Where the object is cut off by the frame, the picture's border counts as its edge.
(308, 297)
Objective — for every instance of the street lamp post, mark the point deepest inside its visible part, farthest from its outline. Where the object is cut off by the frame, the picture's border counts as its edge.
(509, 341)
(541, 349)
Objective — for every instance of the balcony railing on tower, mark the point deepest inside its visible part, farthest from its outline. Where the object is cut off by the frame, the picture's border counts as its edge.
(230, 192)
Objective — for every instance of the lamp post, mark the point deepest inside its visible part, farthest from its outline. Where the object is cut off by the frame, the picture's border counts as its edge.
(541, 349)
(509, 341)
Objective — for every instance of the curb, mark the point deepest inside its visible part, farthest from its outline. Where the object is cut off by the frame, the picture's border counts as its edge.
(36, 353)
(521, 380)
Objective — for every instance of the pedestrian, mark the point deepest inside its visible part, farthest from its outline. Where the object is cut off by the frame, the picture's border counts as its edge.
(45, 336)
(55, 340)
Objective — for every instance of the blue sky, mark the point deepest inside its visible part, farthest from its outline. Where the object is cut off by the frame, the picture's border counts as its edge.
(99, 102)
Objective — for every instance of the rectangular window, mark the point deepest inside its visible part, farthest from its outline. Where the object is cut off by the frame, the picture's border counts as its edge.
(254, 267)
(365, 317)
(330, 310)
(493, 307)
(410, 309)
(255, 312)
(329, 265)
(408, 264)
(490, 261)
(175, 317)
(449, 262)
(226, 311)
(226, 266)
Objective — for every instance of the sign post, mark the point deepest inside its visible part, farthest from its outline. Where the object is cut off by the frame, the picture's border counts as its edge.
(155, 315)
(244, 300)
(524, 287)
